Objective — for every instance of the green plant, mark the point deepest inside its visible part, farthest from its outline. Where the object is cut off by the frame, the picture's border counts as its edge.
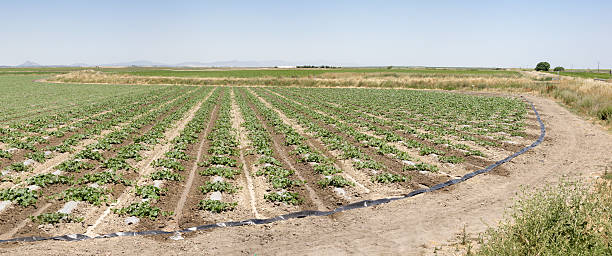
(44, 180)
(284, 197)
(451, 159)
(224, 172)
(335, 181)
(326, 169)
(36, 156)
(142, 209)
(150, 191)
(421, 167)
(92, 195)
(166, 175)
(106, 177)
(368, 164)
(216, 206)
(219, 160)
(558, 69)
(56, 217)
(90, 154)
(22, 196)
(168, 163)
(117, 164)
(74, 166)
(221, 186)
(20, 167)
(389, 178)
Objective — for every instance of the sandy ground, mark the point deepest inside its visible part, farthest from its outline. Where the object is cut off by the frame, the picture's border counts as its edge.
(572, 148)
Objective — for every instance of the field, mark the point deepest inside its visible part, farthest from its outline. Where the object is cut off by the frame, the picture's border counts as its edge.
(96, 159)
(584, 74)
(271, 72)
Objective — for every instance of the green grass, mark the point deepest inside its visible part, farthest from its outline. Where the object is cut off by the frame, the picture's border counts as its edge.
(568, 219)
(584, 74)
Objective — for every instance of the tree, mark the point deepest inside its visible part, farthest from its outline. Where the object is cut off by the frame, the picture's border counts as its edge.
(558, 69)
(542, 66)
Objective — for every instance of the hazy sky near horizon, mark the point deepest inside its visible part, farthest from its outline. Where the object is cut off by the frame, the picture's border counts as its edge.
(417, 33)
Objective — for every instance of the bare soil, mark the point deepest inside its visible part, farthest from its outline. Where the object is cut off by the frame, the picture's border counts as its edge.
(573, 148)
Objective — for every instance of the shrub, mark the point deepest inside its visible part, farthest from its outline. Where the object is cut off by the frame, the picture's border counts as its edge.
(542, 66)
(568, 219)
(559, 69)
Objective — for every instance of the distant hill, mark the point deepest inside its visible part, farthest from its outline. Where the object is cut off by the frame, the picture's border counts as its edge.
(29, 64)
(236, 63)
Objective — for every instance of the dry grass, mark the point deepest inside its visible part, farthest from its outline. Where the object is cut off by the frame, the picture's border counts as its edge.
(587, 97)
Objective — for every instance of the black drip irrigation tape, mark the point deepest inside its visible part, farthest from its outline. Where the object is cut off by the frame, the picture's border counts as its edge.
(301, 214)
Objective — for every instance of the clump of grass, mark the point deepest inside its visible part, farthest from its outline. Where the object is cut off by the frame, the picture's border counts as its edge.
(605, 113)
(569, 219)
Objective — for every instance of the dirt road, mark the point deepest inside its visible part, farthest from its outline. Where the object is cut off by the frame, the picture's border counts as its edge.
(572, 148)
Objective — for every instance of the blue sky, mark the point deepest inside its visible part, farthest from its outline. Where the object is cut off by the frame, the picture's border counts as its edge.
(428, 33)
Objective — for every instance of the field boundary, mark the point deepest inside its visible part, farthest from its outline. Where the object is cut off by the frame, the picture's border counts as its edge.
(302, 214)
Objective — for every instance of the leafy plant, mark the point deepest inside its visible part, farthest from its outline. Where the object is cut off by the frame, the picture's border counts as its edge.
(90, 154)
(368, 164)
(56, 217)
(224, 172)
(422, 167)
(20, 167)
(150, 191)
(74, 166)
(102, 178)
(36, 156)
(168, 163)
(220, 186)
(44, 180)
(22, 196)
(92, 195)
(284, 197)
(216, 206)
(142, 210)
(166, 175)
(451, 159)
(117, 164)
(335, 181)
(326, 169)
(219, 160)
(389, 178)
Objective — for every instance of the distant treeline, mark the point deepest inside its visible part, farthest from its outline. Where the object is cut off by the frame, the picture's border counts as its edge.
(322, 66)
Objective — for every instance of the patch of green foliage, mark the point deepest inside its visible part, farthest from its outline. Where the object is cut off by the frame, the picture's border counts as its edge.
(142, 210)
(284, 197)
(22, 196)
(95, 196)
(150, 192)
(55, 217)
(389, 178)
(46, 179)
(224, 172)
(166, 175)
(216, 206)
(335, 181)
(221, 186)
